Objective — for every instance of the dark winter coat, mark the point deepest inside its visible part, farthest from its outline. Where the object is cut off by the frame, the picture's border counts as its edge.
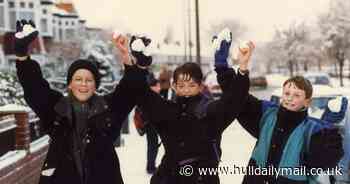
(191, 128)
(94, 162)
(318, 154)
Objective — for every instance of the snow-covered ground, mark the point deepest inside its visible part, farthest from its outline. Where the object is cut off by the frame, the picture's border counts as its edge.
(237, 145)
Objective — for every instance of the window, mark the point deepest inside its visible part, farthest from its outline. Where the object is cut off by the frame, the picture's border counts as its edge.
(27, 15)
(44, 11)
(53, 21)
(44, 26)
(31, 5)
(11, 4)
(59, 22)
(54, 32)
(67, 23)
(1, 1)
(22, 4)
(73, 23)
(2, 17)
(70, 33)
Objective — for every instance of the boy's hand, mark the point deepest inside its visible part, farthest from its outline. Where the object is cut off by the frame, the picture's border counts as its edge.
(335, 110)
(121, 42)
(244, 55)
(26, 33)
(141, 50)
(222, 44)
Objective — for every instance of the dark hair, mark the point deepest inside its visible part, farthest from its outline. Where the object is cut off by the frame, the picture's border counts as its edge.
(302, 83)
(191, 69)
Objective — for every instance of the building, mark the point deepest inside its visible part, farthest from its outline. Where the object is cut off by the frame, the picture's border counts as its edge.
(58, 22)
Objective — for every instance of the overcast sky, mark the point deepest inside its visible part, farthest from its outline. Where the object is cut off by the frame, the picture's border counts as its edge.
(153, 16)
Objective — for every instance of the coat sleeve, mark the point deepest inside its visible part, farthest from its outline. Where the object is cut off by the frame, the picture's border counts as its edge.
(37, 92)
(325, 149)
(235, 90)
(156, 109)
(122, 100)
(251, 114)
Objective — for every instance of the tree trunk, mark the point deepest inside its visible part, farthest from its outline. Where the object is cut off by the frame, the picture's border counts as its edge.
(291, 67)
(341, 66)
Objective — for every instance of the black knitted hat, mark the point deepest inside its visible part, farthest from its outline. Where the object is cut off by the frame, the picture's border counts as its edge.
(84, 64)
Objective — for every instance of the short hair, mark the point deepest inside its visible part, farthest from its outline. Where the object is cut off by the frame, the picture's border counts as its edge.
(191, 69)
(302, 83)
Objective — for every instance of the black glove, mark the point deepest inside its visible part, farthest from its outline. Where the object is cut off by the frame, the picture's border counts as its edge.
(25, 35)
(140, 50)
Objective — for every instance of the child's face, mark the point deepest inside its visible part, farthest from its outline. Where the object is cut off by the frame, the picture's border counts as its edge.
(293, 98)
(185, 86)
(83, 85)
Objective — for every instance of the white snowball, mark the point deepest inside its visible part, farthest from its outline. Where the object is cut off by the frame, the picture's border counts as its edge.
(138, 45)
(335, 104)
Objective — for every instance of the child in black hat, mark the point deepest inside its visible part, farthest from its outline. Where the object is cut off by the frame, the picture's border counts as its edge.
(82, 126)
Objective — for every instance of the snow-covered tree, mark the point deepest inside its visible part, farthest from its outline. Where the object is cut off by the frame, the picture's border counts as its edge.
(335, 28)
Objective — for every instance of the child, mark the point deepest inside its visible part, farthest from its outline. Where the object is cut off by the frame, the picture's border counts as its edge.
(191, 126)
(287, 137)
(82, 126)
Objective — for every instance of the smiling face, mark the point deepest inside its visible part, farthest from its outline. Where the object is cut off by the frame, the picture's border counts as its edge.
(82, 85)
(293, 98)
(185, 86)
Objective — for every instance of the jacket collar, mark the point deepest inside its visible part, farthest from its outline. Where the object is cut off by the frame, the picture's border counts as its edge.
(97, 105)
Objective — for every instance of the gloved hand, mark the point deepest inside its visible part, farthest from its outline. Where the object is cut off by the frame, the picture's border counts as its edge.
(25, 35)
(335, 110)
(141, 50)
(222, 44)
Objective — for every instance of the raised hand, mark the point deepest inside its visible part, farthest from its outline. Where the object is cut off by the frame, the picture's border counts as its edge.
(222, 44)
(141, 50)
(26, 33)
(245, 52)
(121, 42)
(335, 110)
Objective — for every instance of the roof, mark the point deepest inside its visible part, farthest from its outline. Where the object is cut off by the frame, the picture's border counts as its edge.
(318, 91)
(68, 7)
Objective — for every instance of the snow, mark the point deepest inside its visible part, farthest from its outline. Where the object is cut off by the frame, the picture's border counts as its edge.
(276, 80)
(39, 144)
(132, 156)
(27, 30)
(11, 157)
(13, 108)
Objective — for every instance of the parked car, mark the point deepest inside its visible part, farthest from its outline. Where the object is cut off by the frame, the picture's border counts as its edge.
(318, 78)
(320, 97)
(258, 81)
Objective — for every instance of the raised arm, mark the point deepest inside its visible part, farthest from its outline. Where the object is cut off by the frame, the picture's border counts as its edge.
(134, 84)
(37, 92)
(234, 86)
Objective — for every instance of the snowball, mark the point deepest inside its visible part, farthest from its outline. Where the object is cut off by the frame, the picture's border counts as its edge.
(27, 30)
(138, 45)
(334, 105)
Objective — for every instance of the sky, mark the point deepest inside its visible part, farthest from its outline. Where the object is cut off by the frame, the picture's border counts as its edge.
(153, 16)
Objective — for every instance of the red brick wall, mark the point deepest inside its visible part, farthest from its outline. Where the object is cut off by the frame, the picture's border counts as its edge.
(25, 171)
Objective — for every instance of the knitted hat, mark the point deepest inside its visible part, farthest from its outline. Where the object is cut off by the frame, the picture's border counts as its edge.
(84, 64)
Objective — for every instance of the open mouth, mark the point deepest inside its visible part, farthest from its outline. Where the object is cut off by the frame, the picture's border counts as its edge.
(83, 91)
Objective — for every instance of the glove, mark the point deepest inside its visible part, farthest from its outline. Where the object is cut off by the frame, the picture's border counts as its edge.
(335, 110)
(222, 44)
(140, 49)
(25, 35)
